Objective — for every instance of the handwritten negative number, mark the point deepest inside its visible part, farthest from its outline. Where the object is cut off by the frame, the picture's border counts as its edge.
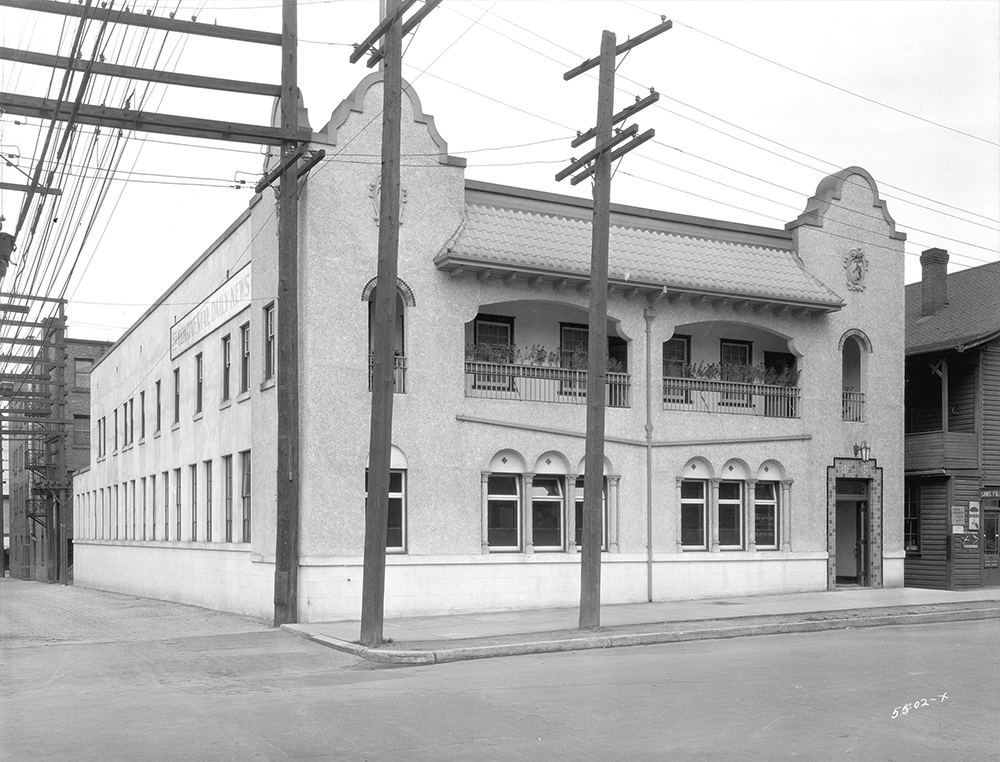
(905, 709)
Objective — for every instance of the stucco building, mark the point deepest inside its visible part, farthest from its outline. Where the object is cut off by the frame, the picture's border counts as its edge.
(746, 364)
(951, 508)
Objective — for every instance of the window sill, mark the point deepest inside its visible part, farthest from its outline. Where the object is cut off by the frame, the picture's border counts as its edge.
(198, 416)
(243, 397)
(156, 435)
(268, 383)
(175, 425)
(142, 441)
(227, 403)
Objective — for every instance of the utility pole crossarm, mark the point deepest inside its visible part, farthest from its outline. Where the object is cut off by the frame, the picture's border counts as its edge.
(621, 116)
(593, 154)
(617, 154)
(381, 29)
(408, 27)
(590, 63)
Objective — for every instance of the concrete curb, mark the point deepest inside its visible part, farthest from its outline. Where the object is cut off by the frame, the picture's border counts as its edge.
(801, 623)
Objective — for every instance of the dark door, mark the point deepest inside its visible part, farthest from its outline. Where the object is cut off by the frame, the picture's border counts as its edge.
(991, 548)
(861, 548)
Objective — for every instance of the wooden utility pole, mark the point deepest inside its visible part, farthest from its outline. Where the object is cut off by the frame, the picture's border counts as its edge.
(286, 553)
(380, 442)
(597, 349)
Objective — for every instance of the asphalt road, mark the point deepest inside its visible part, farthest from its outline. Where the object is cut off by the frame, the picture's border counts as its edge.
(93, 676)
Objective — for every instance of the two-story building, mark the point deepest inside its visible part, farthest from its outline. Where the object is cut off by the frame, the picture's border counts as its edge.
(951, 511)
(754, 398)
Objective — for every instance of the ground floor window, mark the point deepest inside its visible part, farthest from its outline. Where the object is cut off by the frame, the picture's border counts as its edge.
(911, 518)
(765, 515)
(395, 530)
(731, 515)
(503, 509)
(245, 485)
(693, 514)
(547, 501)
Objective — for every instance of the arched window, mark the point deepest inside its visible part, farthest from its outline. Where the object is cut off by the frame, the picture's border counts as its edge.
(854, 345)
(404, 299)
(502, 514)
(694, 500)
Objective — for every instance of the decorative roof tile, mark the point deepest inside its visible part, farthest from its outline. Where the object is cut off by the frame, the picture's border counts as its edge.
(545, 242)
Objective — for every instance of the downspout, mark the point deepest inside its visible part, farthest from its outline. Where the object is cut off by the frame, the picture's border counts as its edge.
(649, 314)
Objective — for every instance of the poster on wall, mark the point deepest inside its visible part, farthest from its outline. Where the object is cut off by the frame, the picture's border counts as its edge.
(974, 515)
(958, 516)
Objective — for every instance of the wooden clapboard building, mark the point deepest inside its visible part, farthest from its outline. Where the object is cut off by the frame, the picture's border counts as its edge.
(952, 454)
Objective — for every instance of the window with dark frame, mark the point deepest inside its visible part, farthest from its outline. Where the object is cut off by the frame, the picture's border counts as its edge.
(734, 355)
(547, 501)
(142, 415)
(245, 488)
(114, 441)
(177, 499)
(911, 518)
(81, 372)
(677, 365)
(159, 408)
(270, 349)
(152, 515)
(81, 430)
(693, 503)
(199, 379)
(244, 358)
(227, 469)
(227, 363)
(395, 535)
(489, 334)
(177, 395)
(194, 502)
(503, 512)
(730, 512)
(765, 515)
(208, 501)
(131, 421)
(166, 506)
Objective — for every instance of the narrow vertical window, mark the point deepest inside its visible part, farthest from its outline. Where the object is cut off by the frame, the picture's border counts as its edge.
(911, 518)
(244, 358)
(765, 515)
(134, 512)
(177, 499)
(227, 363)
(731, 515)
(395, 534)
(166, 505)
(142, 415)
(208, 501)
(194, 502)
(152, 515)
(199, 378)
(131, 420)
(227, 466)
(245, 492)
(693, 514)
(503, 510)
(177, 395)
(142, 485)
(547, 500)
(159, 408)
(114, 441)
(578, 497)
(81, 374)
(270, 349)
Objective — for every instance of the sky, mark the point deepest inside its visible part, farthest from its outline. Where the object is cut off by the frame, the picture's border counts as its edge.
(759, 101)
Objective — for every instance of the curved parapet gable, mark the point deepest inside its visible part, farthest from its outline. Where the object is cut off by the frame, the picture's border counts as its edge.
(830, 190)
(355, 102)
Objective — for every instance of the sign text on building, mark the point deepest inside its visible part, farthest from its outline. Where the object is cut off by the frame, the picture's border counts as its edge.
(230, 298)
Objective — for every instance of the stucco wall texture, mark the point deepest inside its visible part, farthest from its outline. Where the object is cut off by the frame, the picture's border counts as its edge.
(449, 438)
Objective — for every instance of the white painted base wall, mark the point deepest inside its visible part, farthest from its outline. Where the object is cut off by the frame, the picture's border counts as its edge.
(227, 578)
(219, 576)
(330, 589)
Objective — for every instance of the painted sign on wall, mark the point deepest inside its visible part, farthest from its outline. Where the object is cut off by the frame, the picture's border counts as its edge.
(229, 299)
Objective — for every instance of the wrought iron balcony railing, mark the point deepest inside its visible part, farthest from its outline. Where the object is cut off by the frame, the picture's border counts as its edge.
(734, 397)
(536, 383)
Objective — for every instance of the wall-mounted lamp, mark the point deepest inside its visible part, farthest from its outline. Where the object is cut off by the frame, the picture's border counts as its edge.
(862, 451)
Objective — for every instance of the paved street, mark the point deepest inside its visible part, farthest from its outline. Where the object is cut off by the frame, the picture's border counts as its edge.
(95, 676)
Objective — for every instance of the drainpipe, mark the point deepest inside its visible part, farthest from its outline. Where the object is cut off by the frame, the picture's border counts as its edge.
(649, 314)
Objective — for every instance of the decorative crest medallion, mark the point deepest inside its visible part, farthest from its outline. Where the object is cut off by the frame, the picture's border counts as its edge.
(375, 194)
(857, 267)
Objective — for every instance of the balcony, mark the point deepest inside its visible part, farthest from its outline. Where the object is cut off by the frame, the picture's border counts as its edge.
(853, 406)
(937, 450)
(536, 383)
(398, 374)
(699, 395)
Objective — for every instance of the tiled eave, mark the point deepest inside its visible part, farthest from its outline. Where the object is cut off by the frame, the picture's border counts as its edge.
(653, 293)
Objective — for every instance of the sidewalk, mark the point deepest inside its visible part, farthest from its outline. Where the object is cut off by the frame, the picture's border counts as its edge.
(456, 637)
